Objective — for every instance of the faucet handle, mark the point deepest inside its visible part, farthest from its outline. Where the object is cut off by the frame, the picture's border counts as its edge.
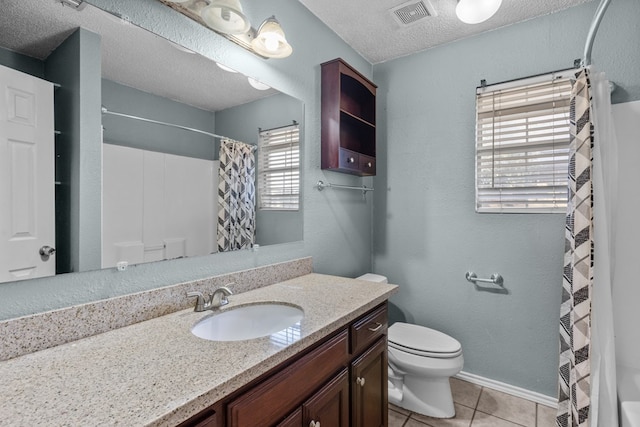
(200, 301)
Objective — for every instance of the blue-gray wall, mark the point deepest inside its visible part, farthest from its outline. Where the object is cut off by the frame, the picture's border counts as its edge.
(76, 66)
(153, 137)
(23, 63)
(242, 123)
(426, 233)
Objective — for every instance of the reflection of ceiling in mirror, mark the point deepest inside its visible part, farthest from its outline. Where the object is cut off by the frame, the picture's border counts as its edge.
(36, 27)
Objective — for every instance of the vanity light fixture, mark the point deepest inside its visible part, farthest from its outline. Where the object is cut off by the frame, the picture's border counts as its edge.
(226, 17)
(76, 4)
(224, 67)
(270, 40)
(258, 85)
(476, 11)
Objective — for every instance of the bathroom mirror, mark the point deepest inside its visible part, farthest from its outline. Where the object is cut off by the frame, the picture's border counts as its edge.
(146, 76)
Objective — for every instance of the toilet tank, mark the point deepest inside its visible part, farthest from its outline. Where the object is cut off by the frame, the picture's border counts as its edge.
(373, 278)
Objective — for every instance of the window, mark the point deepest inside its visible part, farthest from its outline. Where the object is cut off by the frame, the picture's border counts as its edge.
(522, 145)
(279, 168)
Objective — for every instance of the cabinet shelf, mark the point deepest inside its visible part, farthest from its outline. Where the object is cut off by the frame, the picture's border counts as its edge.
(348, 120)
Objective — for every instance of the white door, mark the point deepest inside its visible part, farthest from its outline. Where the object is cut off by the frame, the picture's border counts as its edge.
(27, 221)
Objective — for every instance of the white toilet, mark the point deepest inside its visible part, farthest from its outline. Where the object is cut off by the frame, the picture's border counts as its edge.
(421, 360)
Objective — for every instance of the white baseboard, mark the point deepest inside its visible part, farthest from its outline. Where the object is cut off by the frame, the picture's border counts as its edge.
(509, 389)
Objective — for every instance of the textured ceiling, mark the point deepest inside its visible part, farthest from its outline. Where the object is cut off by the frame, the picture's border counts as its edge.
(130, 55)
(133, 56)
(369, 27)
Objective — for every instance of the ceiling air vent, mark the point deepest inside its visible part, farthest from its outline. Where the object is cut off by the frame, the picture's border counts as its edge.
(412, 11)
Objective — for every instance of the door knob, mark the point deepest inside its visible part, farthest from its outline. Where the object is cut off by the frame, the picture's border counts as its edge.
(47, 251)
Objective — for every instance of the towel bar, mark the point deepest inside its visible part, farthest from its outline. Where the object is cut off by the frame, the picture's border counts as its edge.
(495, 278)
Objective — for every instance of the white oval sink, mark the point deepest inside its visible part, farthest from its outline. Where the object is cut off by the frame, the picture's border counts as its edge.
(247, 322)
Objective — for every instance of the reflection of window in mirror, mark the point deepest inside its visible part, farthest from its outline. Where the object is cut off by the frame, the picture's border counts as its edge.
(279, 168)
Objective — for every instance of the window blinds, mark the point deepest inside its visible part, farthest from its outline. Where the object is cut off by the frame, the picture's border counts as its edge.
(522, 145)
(279, 168)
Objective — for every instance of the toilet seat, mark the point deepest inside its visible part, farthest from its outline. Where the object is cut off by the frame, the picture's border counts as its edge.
(422, 341)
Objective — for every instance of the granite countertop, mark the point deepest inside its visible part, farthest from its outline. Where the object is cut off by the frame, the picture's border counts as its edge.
(157, 373)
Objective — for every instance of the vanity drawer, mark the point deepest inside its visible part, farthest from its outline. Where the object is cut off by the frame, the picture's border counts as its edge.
(283, 392)
(368, 329)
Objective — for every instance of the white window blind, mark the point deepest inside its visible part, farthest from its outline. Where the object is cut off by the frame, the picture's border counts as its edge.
(522, 145)
(279, 168)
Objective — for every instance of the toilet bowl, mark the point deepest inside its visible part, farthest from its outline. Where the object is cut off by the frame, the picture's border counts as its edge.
(421, 361)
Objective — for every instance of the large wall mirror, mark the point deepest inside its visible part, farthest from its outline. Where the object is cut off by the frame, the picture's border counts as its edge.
(159, 106)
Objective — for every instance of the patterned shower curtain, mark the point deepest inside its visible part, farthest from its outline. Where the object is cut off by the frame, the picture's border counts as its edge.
(574, 401)
(236, 196)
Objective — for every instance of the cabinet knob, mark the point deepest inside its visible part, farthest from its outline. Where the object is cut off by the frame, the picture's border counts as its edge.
(360, 381)
(369, 164)
(314, 423)
(351, 160)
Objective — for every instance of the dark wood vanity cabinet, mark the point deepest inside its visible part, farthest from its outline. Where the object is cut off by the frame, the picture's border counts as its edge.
(348, 117)
(340, 382)
(369, 387)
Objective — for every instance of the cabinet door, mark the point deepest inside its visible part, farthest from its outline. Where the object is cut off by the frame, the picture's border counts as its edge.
(276, 397)
(293, 420)
(329, 407)
(369, 387)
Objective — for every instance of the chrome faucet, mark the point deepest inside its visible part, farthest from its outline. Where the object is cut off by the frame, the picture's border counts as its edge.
(219, 297)
(216, 300)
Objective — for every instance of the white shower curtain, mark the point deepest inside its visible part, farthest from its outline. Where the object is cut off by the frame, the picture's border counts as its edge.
(605, 192)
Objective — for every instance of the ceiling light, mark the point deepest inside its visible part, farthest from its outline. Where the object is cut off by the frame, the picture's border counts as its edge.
(225, 16)
(258, 85)
(476, 11)
(270, 40)
(224, 67)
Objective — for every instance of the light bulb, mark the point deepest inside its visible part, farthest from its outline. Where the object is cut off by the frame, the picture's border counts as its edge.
(271, 42)
(476, 11)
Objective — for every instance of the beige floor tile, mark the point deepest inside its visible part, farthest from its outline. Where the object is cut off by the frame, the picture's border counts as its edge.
(507, 407)
(397, 419)
(398, 409)
(546, 416)
(415, 423)
(480, 419)
(465, 393)
(462, 418)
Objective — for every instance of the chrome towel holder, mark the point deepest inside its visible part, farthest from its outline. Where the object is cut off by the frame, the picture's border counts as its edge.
(495, 278)
(322, 185)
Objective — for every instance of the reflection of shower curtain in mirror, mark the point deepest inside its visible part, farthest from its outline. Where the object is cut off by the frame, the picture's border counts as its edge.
(236, 196)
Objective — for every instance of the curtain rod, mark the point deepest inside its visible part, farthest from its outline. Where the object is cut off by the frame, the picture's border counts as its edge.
(602, 8)
(128, 116)
(483, 82)
(294, 122)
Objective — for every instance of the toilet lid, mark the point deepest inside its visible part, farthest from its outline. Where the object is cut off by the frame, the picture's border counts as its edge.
(422, 340)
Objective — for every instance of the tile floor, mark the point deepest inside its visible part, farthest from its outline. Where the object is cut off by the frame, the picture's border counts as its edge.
(478, 406)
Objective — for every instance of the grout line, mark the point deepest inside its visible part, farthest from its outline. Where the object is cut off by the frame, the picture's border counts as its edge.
(479, 396)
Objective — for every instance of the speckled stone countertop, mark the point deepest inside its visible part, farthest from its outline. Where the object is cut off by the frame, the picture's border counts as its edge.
(157, 373)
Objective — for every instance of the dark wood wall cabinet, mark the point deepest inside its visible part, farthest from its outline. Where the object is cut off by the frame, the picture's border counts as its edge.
(348, 120)
(339, 382)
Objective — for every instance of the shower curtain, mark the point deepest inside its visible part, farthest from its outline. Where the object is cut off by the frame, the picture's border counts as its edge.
(236, 196)
(586, 395)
